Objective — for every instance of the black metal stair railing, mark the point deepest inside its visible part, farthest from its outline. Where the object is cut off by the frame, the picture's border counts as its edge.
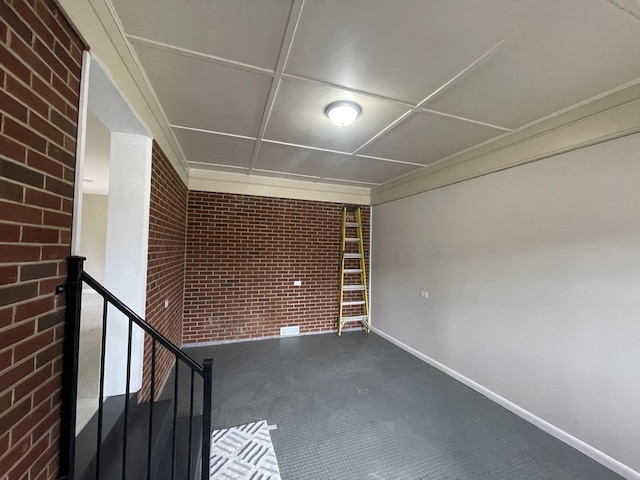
(76, 276)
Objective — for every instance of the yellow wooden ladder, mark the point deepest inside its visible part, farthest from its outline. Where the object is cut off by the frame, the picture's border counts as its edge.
(353, 275)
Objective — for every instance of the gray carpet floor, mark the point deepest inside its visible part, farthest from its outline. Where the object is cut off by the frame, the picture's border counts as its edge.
(358, 407)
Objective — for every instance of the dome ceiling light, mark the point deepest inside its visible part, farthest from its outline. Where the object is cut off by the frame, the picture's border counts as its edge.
(343, 112)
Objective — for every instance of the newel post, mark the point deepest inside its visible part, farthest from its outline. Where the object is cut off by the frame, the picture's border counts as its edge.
(71, 345)
(206, 417)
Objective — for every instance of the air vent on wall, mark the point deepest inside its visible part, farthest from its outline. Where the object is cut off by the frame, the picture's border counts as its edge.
(288, 331)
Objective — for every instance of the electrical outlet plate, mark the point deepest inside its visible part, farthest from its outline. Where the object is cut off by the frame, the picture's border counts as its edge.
(424, 293)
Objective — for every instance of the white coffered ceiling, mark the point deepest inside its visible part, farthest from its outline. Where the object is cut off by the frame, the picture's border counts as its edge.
(244, 83)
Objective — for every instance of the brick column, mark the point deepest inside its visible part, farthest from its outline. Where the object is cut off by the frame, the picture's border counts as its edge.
(40, 65)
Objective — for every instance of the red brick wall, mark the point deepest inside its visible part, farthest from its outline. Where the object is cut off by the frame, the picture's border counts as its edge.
(40, 58)
(243, 255)
(165, 271)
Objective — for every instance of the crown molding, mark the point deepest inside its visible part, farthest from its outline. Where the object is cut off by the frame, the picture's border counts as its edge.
(96, 21)
(605, 118)
(263, 186)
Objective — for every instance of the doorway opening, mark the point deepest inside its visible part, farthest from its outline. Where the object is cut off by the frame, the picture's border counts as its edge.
(110, 229)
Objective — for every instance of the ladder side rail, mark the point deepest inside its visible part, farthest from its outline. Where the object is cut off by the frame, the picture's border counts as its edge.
(363, 274)
(342, 250)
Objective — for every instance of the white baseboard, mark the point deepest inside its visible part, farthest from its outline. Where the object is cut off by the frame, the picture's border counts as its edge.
(567, 438)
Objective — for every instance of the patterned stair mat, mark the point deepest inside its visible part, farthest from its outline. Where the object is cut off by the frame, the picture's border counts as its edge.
(243, 452)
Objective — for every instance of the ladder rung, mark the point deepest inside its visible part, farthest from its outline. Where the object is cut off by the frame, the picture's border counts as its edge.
(352, 240)
(352, 302)
(352, 270)
(352, 255)
(357, 318)
(353, 288)
(352, 224)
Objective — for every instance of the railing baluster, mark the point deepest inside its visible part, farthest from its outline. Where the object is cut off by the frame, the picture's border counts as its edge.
(113, 300)
(153, 390)
(75, 279)
(207, 367)
(126, 401)
(175, 418)
(190, 428)
(103, 347)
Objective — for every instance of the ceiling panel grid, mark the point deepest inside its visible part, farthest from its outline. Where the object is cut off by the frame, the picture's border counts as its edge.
(245, 84)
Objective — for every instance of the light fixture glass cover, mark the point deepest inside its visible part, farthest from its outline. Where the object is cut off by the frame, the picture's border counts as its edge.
(343, 112)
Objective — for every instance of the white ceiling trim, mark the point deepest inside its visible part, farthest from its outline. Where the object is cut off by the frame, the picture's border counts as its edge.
(98, 24)
(578, 106)
(351, 181)
(277, 142)
(460, 74)
(551, 122)
(315, 177)
(300, 79)
(419, 106)
(320, 149)
(465, 120)
(213, 132)
(389, 160)
(165, 47)
(389, 127)
(614, 116)
(206, 165)
(574, 113)
(144, 85)
(277, 76)
(305, 80)
(289, 34)
(227, 182)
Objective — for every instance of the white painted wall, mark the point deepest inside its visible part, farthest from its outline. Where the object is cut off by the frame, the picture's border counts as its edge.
(126, 253)
(94, 234)
(96, 157)
(533, 276)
